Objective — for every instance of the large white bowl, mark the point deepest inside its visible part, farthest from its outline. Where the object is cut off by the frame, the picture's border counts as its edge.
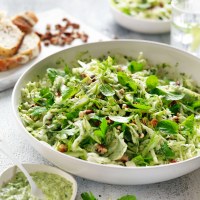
(148, 26)
(9, 173)
(156, 53)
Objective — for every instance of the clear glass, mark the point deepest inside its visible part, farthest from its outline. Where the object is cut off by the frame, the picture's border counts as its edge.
(185, 26)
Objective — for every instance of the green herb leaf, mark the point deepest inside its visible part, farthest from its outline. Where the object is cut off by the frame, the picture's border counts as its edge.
(106, 90)
(88, 196)
(167, 151)
(122, 78)
(196, 105)
(104, 126)
(47, 98)
(37, 111)
(72, 115)
(152, 82)
(67, 69)
(188, 124)
(52, 73)
(139, 160)
(168, 127)
(141, 106)
(69, 92)
(126, 81)
(175, 108)
(127, 197)
(101, 133)
(135, 66)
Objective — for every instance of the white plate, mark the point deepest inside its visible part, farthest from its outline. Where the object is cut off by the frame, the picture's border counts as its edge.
(148, 26)
(55, 16)
(8, 174)
(155, 53)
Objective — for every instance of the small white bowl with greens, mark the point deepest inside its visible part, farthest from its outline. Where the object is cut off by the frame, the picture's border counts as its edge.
(144, 16)
(121, 112)
(55, 183)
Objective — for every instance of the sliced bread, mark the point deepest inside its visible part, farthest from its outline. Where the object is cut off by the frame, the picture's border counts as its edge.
(29, 49)
(25, 21)
(11, 38)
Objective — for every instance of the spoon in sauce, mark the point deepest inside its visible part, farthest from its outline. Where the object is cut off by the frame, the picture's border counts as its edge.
(35, 191)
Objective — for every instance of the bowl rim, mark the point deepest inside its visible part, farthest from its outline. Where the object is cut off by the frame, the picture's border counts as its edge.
(56, 170)
(127, 168)
(142, 20)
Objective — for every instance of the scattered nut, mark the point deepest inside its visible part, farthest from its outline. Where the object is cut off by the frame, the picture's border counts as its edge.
(62, 148)
(62, 34)
(154, 122)
(101, 149)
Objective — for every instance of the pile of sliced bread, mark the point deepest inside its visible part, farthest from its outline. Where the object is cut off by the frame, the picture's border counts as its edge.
(18, 42)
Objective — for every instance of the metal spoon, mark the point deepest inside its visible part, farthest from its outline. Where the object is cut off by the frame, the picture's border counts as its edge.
(35, 191)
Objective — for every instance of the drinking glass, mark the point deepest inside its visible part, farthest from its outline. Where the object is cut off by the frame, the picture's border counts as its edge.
(185, 26)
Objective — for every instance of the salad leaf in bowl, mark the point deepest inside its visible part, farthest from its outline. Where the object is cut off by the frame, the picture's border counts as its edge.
(127, 109)
(145, 16)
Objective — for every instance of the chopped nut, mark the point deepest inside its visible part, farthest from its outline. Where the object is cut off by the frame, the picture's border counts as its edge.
(58, 26)
(141, 135)
(124, 158)
(124, 106)
(176, 119)
(84, 38)
(54, 40)
(48, 27)
(46, 42)
(88, 112)
(101, 149)
(109, 121)
(62, 148)
(63, 34)
(173, 103)
(121, 91)
(75, 26)
(154, 122)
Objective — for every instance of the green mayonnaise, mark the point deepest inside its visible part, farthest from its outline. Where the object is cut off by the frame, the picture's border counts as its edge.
(53, 186)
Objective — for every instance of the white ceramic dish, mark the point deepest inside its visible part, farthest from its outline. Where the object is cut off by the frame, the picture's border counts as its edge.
(7, 175)
(9, 78)
(148, 26)
(156, 53)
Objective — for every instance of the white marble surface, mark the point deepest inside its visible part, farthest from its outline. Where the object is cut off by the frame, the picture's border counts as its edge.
(94, 13)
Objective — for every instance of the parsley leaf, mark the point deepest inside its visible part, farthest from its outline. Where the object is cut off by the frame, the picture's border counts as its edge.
(188, 124)
(88, 196)
(135, 66)
(168, 127)
(126, 81)
(101, 133)
(167, 151)
(152, 82)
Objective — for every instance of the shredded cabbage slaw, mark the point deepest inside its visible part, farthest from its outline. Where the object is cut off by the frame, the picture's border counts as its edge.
(115, 110)
(145, 9)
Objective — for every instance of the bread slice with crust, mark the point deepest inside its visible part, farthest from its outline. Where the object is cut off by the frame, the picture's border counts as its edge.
(25, 21)
(11, 38)
(29, 49)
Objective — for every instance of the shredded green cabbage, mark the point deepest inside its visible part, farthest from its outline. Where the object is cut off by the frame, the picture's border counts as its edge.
(116, 110)
(145, 9)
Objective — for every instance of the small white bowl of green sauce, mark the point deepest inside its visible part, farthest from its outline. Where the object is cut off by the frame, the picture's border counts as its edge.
(55, 183)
